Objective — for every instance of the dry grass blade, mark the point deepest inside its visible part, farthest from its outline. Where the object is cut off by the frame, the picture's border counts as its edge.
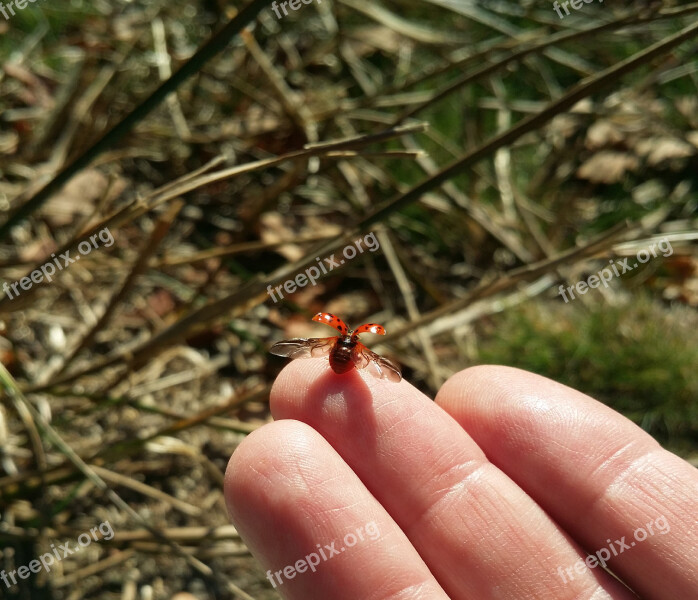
(318, 149)
(236, 249)
(410, 303)
(180, 534)
(32, 431)
(147, 490)
(120, 556)
(238, 399)
(418, 33)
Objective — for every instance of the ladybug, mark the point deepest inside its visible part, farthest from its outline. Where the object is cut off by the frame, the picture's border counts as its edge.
(345, 351)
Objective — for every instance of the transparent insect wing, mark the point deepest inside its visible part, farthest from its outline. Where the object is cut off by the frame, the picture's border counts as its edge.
(370, 328)
(332, 321)
(303, 347)
(323, 347)
(387, 369)
(377, 365)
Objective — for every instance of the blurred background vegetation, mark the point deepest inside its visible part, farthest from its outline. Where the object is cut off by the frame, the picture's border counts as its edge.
(495, 150)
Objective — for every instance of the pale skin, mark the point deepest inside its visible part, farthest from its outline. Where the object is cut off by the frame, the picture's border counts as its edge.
(493, 490)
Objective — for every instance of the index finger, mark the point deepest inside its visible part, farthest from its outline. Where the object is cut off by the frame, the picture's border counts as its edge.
(478, 532)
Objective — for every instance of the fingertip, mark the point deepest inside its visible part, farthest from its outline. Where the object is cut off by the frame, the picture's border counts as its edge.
(295, 383)
(298, 375)
(489, 400)
(481, 382)
(257, 459)
(310, 387)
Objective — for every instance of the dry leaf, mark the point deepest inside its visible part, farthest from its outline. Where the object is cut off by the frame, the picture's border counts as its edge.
(273, 229)
(601, 134)
(607, 167)
(660, 149)
(79, 196)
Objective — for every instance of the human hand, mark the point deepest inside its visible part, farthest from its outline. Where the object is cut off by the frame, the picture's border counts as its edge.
(498, 489)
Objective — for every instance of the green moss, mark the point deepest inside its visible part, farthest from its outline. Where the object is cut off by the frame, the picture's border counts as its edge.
(639, 358)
